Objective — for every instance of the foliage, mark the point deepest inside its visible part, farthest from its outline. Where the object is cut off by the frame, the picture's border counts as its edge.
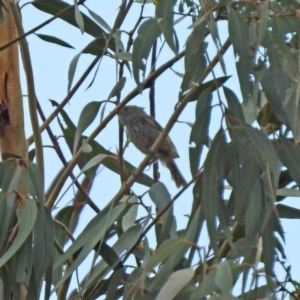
(254, 151)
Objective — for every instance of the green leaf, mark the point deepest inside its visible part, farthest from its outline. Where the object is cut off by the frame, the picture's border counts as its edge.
(88, 238)
(225, 222)
(194, 227)
(33, 182)
(78, 17)
(253, 224)
(43, 243)
(234, 105)
(289, 153)
(255, 143)
(96, 160)
(199, 132)
(87, 116)
(148, 32)
(10, 182)
(95, 47)
(147, 252)
(54, 40)
(264, 18)
(109, 256)
(129, 218)
(24, 257)
(68, 216)
(99, 20)
(7, 171)
(288, 192)
(132, 286)
(117, 88)
(165, 250)
(86, 147)
(175, 284)
(224, 278)
(72, 69)
(213, 28)
(161, 197)
(54, 7)
(126, 56)
(213, 176)
(207, 286)
(288, 212)
(163, 274)
(5, 217)
(118, 279)
(226, 297)
(26, 214)
(261, 292)
(239, 36)
(242, 185)
(199, 88)
(278, 83)
(194, 60)
(269, 245)
(124, 243)
(165, 20)
(114, 166)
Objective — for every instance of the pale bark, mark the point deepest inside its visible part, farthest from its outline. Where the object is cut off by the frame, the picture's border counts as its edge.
(12, 135)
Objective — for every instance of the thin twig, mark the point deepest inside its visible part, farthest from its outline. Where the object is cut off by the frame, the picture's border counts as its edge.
(65, 163)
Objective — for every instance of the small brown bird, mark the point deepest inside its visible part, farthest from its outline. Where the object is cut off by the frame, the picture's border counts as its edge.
(143, 130)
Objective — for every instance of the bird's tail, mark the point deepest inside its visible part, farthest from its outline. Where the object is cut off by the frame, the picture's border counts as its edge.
(175, 173)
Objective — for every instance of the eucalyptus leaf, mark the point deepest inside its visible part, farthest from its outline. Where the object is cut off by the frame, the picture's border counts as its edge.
(147, 34)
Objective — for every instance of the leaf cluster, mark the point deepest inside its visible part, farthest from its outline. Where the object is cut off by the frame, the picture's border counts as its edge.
(240, 176)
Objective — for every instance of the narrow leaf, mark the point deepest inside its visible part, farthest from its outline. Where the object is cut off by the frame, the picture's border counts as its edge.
(165, 19)
(175, 284)
(93, 162)
(213, 176)
(194, 60)
(165, 250)
(95, 47)
(289, 153)
(224, 279)
(147, 34)
(54, 40)
(117, 88)
(199, 132)
(288, 212)
(78, 17)
(239, 36)
(54, 7)
(87, 116)
(234, 105)
(26, 214)
(129, 218)
(99, 20)
(124, 243)
(88, 238)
